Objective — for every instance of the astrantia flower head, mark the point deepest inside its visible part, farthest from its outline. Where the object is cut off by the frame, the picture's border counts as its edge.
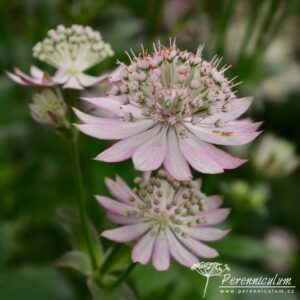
(48, 107)
(71, 51)
(170, 106)
(166, 218)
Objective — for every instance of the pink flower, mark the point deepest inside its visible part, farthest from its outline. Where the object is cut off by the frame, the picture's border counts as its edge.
(170, 107)
(37, 77)
(71, 51)
(166, 218)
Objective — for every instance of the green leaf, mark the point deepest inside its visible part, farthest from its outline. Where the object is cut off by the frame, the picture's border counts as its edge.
(122, 292)
(76, 260)
(34, 283)
(70, 222)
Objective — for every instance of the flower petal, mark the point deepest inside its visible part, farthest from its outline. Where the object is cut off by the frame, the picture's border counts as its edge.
(113, 205)
(16, 78)
(73, 83)
(161, 254)
(111, 129)
(178, 252)
(213, 217)
(212, 202)
(223, 159)
(198, 248)
(124, 149)
(87, 80)
(36, 72)
(118, 191)
(221, 136)
(174, 162)
(151, 155)
(197, 156)
(236, 109)
(205, 233)
(208, 217)
(142, 251)
(61, 77)
(111, 104)
(127, 233)
(124, 220)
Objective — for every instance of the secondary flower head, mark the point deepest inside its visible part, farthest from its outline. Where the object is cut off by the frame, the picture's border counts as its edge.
(275, 157)
(166, 218)
(71, 51)
(169, 107)
(48, 107)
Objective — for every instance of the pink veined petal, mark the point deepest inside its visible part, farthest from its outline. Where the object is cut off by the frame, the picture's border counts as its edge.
(111, 104)
(118, 191)
(124, 220)
(111, 129)
(16, 79)
(221, 136)
(238, 107)
(245, 125)
(124, 149)
(142, 251)
(209, 217)
(198, 248)
(205, 233)
(122, 182)
(223, 159)
(114, 105)
(179, 252)
(213, 217)
(73, 83)
(36, 72)
(61, 77)
(151, 155)
(212, 202)
(197, 156)
(113, 205)
(24, 76)
(87, 80)
(174, 162)
(87, 118)
(127, 233)
(161, 253)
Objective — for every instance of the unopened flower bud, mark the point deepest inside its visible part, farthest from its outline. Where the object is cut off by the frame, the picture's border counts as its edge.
(48, 107)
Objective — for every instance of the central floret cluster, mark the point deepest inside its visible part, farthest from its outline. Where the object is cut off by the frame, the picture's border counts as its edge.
(167, 217)
(173, 85)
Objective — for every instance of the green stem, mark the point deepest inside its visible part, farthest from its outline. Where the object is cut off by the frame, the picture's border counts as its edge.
(81, 199)
(124, 275)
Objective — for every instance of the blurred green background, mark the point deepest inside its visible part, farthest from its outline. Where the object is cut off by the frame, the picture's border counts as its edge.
(260, 39)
